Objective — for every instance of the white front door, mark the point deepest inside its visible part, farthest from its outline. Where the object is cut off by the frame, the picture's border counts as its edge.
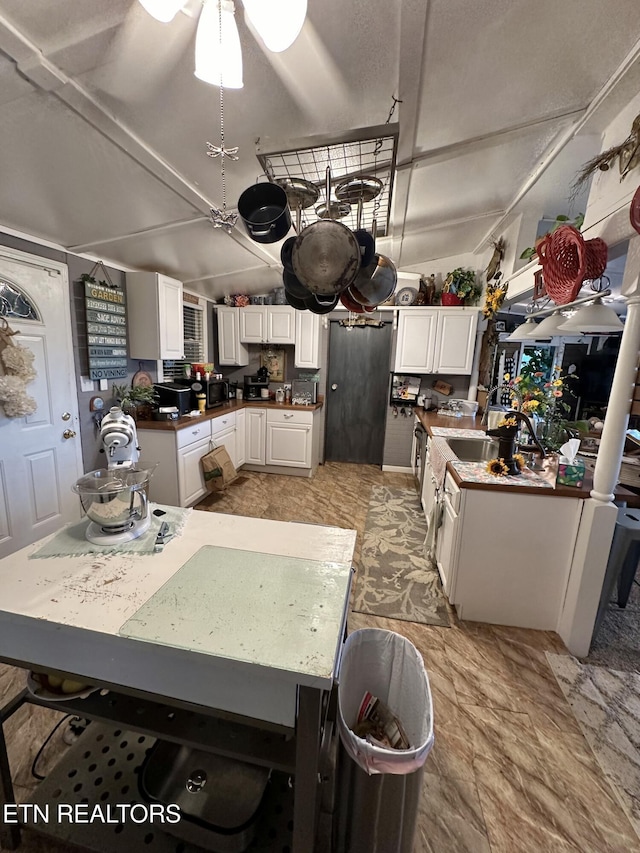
(38, 464)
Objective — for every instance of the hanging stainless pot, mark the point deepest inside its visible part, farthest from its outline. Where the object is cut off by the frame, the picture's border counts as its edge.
(326, 257)
(374, 284)
(264, 209)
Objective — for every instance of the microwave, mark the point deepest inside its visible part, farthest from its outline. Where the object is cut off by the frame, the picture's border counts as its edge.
(216, 391)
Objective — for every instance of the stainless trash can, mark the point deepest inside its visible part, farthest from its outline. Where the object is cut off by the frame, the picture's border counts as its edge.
(379, 788)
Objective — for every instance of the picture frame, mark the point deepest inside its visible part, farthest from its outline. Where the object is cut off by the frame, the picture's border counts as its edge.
(274, 360)
(501, 326)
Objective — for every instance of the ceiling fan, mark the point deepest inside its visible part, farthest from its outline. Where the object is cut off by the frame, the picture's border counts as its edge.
(218, 56)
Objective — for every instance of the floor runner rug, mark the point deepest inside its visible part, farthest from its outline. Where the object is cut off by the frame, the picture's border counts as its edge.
(606, 704)
(394, 578)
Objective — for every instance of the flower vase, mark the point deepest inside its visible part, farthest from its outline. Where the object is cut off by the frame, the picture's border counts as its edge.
(552, 434)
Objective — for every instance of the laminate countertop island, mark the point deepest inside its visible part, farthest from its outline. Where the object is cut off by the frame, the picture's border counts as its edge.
(472, 475)
(235, 616)
(503, 545)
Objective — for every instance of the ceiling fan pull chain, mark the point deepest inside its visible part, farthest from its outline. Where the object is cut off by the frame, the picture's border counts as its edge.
(220, 218)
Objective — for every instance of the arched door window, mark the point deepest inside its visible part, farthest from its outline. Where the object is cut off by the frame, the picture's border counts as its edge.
(15, 304)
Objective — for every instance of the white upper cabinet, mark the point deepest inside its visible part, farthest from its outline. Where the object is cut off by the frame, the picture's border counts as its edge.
(307, 352)
(267, 324)
(253, 324)
(416, 341)
(455, 342)
(154, 316)
(436, 340)
(230, 349)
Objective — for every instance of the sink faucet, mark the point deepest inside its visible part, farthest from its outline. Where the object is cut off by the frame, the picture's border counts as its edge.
(539, 449)
(506, 436)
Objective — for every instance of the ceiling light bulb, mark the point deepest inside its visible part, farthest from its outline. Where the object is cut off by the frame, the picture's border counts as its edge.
(218, 55)
(163, 10)
(594, 319)
(277, 22)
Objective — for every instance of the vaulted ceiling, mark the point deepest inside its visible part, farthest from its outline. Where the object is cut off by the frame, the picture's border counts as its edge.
(104, 126)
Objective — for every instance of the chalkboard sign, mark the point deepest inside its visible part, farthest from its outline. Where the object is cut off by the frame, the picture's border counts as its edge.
(106, 313)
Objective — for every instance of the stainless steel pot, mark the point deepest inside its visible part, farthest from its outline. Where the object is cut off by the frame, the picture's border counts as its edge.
(374, 284)
(326, 257)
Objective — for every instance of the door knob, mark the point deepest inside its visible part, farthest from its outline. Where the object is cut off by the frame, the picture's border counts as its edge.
(334, 387)
(69, 433)
(66, 416)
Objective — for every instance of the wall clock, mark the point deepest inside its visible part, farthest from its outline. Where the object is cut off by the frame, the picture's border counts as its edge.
(406, 296)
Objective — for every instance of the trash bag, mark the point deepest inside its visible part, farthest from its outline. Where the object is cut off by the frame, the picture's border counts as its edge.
(390, 667)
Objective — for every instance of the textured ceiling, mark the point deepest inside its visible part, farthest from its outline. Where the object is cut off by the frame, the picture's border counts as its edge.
(104, 126)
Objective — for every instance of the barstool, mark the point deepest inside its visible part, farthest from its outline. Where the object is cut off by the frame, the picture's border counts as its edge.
(622, 563)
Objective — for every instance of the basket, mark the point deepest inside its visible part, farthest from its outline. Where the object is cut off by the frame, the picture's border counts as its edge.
(596, 258)
(563, 258)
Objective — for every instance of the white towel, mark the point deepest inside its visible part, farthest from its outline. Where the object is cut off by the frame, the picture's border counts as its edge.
(439, 454)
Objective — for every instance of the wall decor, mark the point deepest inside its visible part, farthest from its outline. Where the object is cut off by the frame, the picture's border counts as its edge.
(274, 360)
(16, 370)
(627, 154)
(106, 313)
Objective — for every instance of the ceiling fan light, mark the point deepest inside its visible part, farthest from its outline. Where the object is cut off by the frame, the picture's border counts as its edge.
(594, 319)
(277, 22)
(162, 10)
(218, 55)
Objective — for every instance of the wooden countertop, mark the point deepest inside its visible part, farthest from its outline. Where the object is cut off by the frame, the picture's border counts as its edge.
(225, 408)
(433, 419)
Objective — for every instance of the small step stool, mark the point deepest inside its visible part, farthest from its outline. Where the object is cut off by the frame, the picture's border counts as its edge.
(622, 563)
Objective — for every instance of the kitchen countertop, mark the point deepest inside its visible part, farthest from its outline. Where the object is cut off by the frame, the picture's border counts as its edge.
(471, 475)
(225, 408)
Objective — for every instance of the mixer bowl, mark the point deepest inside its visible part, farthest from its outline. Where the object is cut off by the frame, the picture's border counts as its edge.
(114, 499)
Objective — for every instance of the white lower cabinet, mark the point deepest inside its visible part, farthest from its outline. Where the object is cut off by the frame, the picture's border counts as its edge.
(241, 437)
(190, 480)
(177, 479)
(447, 538)
(289, 438)
(256, 431)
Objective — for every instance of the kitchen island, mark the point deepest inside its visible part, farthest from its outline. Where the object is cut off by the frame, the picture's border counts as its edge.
(236, 618)
(504, 544)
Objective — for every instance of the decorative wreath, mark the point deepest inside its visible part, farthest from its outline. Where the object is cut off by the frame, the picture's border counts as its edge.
(16, 370)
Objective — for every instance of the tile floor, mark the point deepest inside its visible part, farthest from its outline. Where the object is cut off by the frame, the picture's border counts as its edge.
(510, 769)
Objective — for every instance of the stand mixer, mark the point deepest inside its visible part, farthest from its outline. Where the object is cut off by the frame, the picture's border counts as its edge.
(116, 498)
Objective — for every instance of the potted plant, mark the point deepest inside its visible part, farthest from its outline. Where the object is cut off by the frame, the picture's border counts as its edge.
(136, 401)
(460, 287)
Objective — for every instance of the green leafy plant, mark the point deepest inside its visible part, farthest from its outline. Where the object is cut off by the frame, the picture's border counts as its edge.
(85, 278)
(140, 395)
(462, 283)
(561, 219)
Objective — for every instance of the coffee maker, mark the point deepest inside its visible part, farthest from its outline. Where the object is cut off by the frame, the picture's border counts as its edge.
(254, 383)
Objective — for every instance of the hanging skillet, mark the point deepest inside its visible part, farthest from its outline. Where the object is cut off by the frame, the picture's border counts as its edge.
(365, 187)
(300, 193)
(326, 255)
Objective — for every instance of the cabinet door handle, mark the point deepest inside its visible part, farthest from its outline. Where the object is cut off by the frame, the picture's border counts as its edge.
(195, 432)
(288, 416)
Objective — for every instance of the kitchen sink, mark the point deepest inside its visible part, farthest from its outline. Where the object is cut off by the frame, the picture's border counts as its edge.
(474, 449)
